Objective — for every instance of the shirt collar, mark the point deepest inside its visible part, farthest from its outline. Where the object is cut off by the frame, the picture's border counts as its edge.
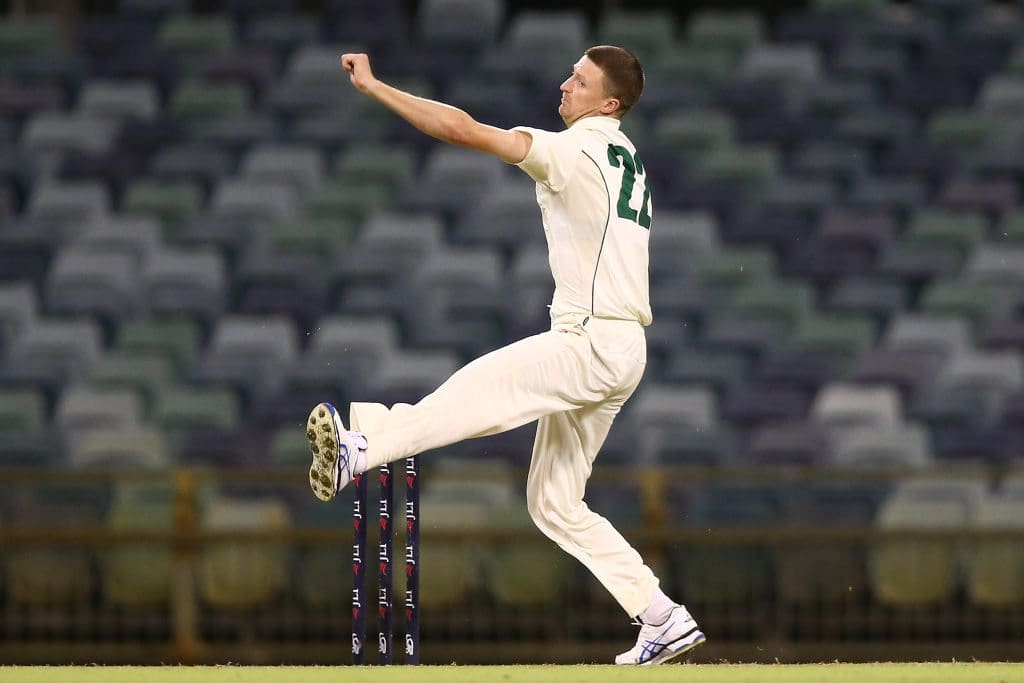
(598, 122)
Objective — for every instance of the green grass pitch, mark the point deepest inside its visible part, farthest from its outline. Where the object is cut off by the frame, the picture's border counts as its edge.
(689, 673)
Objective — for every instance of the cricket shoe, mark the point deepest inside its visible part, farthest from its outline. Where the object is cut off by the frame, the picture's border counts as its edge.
(659, 644)
(338, 454)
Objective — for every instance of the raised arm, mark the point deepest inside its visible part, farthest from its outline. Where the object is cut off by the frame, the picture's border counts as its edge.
(436, 119)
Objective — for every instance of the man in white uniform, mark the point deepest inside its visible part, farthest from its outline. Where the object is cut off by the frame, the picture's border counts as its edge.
(596, 208)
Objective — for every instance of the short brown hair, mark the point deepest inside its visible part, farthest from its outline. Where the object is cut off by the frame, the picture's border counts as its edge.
(623, 75)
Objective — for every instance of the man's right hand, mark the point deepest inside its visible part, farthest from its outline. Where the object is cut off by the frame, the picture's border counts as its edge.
(358, 67)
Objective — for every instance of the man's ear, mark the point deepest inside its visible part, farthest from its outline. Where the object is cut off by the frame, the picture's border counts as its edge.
(610, 106)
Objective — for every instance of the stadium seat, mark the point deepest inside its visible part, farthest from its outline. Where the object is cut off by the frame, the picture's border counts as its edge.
(996, 263)
(727, 574)
(172, 203)
(840, 338)
(52, 352)
(142, 371)
(668, 444)
(125, 447)
(175, 338)
(188, 282)
(181, 407)
(840, 408)
(957, 231)
(116, 101)
(718, 369)
(737, 30)
(300, 166)
(18, 308)
(656, 404)
(788, 443)
(894, 446)
(137, 574)
(85, 407)
(83, 281)
(827, 574)
(908, 573)
(977, 302)
(460, 24)
(995, 576)
(196, 101)
(49, 575)
(407, 376)
(135, 238)
(239, 574)
(249, 352)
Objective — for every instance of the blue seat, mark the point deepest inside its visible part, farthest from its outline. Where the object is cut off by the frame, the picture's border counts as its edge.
(752, 405)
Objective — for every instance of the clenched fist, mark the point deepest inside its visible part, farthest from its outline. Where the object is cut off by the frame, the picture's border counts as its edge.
(358, 67)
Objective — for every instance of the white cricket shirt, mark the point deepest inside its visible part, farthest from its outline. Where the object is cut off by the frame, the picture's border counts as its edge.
(596, 207)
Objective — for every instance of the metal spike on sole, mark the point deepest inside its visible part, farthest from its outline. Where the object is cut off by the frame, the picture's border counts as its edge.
(323, 445)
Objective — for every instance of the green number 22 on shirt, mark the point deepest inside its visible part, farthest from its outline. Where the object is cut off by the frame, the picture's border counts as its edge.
(619, 156)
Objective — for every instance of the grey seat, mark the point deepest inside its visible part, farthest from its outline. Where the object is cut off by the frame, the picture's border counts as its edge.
(656, 404)
(235, 132)
(453, 178)
(50, 133)
(717, 369)
(119, 100)
(389, 245)
(841, 162)
(680, 238)
(85, 282)
(65, 208)
(189, 281)
(191, 162)
(937, 335)
(52, 351)
(1002, 94)
(998, 263)
(408, 376)
(255, 200)
(310, 82)
(530, 290)
(19, 307)
(898, 445)
(346, 348)
(455, 300)
(878, 297)
(506, 217)
(83, 407)
(460, 24)
(298, 165)
(841, 408)
(782, 63)
(995, 374)
(550, 36)
(250, 352)
(133, 237)
(282, 32)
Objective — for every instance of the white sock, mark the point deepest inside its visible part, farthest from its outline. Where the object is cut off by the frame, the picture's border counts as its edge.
(658, 611)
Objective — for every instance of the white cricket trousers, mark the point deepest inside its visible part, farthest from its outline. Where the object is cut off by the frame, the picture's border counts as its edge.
(573, 379)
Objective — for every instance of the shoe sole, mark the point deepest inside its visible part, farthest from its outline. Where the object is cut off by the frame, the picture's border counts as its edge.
(682, 646)
(322, 433)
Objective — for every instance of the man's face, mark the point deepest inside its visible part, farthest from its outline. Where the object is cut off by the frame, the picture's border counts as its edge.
(583, 93)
